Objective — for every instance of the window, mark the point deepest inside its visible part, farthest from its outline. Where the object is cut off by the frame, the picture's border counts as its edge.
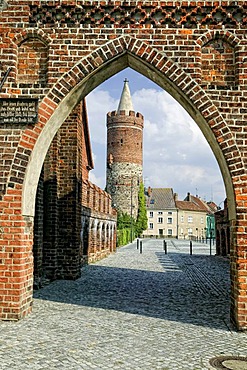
(151, 225)
(151, 214)
(169, 220)
(160, 213)
(202, 220)
(190, 219)
(182, 231)
(169, 231)
(190, 232)
(160, 220)
(169, 213)
(152, 201)
(160, 231)
(182, 218)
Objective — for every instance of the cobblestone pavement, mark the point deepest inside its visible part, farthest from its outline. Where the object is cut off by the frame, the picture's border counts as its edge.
(130, 311)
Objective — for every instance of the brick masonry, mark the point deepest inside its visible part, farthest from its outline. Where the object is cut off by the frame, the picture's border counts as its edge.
(196, 50)
(124, 160)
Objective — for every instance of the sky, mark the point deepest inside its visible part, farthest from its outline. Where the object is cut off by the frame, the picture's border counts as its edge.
(175, 153)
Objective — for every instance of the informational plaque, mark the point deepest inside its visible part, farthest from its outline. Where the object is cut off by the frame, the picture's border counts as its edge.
(18, 110)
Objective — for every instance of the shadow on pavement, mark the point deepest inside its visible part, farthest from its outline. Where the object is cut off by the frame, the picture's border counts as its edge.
(184, 292)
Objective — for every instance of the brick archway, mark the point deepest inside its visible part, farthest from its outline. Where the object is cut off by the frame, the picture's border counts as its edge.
(93, 70)
(87, 43)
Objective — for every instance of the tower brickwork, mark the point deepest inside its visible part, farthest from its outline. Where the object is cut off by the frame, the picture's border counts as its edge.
(124, 154)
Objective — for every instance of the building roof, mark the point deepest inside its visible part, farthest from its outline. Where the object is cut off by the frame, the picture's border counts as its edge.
(192, 203)
(160, 198)
(213, 206)
(125, 103)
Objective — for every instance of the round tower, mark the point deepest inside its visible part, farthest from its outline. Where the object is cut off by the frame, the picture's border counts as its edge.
(124, 154)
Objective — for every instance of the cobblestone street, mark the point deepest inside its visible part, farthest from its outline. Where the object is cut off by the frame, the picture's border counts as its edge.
(130, 311)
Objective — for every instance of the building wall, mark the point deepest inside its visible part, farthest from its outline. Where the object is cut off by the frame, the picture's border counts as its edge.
(223, 235)
(124, 160)
(185, 224)
(161, 223)
(98, 232)
(66, 204)
(123, 182)
(195, 51)
(191, 224)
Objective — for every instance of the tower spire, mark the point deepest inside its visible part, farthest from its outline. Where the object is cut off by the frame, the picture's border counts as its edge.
(125, 103)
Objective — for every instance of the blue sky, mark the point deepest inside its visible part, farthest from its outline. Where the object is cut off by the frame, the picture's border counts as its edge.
(175, 152)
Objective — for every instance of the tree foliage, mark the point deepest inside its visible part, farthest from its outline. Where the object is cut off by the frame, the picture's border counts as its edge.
(123, 220)
(142, 220)
(127, 227)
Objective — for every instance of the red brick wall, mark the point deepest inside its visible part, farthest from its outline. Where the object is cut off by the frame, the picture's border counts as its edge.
(32, 62)
(124, 137)
(166, 42)
(218, 63)
(62, 203)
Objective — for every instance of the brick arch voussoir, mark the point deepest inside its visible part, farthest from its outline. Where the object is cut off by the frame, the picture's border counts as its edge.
(20, 37)
(189, 87)
(70, 84)
(31, 33)
(87, 65)
(224, 34)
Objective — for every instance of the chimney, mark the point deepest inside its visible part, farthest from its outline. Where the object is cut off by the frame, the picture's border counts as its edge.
(188, 197)
(149, 191)
(175, 196)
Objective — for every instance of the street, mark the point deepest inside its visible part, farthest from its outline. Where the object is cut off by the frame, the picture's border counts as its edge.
(130, 311)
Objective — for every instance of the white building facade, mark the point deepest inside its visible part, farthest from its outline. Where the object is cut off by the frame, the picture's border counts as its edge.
(169, 217)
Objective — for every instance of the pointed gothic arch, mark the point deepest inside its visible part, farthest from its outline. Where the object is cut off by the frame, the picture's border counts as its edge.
(105, 62)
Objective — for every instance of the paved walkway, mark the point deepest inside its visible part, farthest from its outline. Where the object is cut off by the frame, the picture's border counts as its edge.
(130, 311)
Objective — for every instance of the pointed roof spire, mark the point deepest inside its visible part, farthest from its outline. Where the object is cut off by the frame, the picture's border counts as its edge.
(125, 102)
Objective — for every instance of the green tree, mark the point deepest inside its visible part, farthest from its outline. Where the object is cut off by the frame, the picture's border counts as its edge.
(125, 230)
(142, 220)
(123, 220)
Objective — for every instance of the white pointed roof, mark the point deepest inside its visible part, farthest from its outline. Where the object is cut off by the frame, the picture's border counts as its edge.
(125, 103)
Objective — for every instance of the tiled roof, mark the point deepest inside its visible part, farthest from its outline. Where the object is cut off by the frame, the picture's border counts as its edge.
(193, 204)
(161, 198)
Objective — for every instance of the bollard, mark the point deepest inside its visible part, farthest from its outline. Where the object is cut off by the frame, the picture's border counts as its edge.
(165, 247)
(191, 247)
(137, 243)
(141, 246)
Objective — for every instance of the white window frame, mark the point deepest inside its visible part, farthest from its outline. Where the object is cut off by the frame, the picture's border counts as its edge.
(169, 220)
(151, 214)
(190, 219)
(151, 225)
(160, 220)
